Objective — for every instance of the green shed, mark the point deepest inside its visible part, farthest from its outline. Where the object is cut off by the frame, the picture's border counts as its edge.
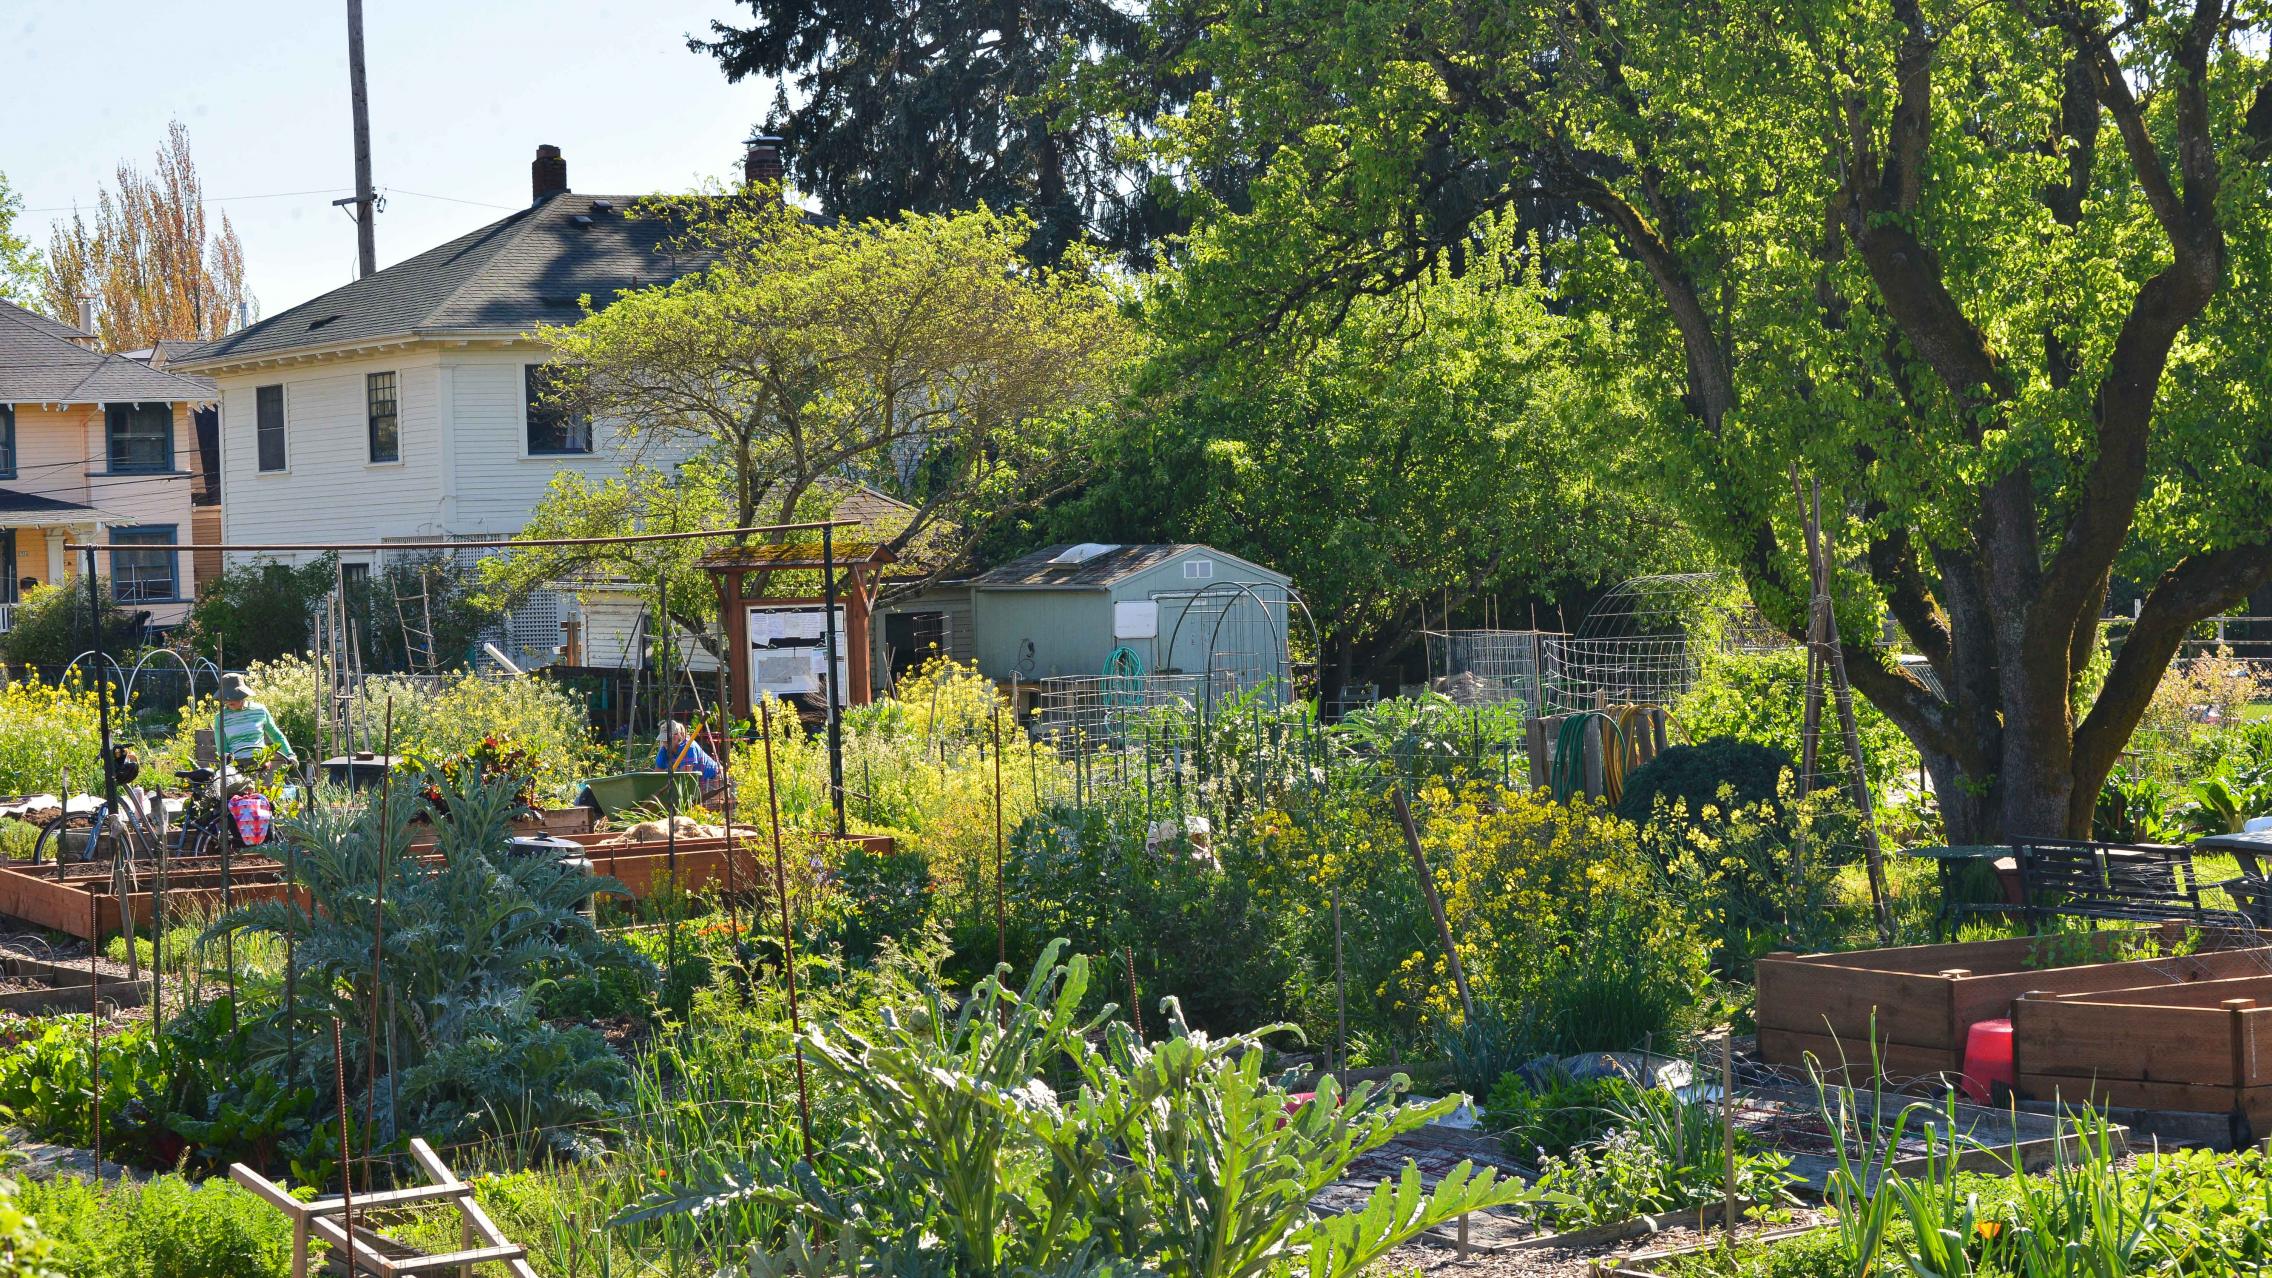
(1063, 610)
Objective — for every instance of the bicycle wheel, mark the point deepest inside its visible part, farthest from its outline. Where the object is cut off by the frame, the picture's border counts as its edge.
(66, 838)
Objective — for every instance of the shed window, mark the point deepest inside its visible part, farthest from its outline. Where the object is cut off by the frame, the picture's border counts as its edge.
(268, 426)
(141, 437)
(386, 429)
(555, 429)
(144, 576)
(1198, 570)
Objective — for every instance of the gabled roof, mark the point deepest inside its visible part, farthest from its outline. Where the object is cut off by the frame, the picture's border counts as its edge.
(43, 362)
(1107, 566)
(506, 278)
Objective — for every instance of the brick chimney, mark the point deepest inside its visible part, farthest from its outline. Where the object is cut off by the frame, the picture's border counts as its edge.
(762, 161)
(548, 175)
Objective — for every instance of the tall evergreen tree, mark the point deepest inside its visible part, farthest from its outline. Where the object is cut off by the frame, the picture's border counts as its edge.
(935, 106)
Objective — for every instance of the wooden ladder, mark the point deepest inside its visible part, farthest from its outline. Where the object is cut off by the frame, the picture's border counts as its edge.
(372, 1252)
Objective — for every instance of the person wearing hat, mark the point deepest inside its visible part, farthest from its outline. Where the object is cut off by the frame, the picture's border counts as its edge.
(244, 726)
(680, 752)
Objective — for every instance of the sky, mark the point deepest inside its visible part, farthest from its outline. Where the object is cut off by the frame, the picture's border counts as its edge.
(461, 95)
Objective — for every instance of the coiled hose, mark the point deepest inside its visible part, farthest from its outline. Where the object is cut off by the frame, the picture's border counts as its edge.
(1627, 728)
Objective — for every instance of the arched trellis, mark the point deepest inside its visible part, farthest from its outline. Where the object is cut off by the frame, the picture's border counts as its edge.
(125, 679)
(1231, 591)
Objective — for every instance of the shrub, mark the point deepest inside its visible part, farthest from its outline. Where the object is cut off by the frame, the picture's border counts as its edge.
(1761, 698)
(1713, 773)
(258, 611)
(50, 627)
(1559, 914)
(1555, 1118)
(48, 733)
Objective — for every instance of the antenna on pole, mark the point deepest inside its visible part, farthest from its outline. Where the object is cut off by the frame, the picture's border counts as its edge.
(364, 199)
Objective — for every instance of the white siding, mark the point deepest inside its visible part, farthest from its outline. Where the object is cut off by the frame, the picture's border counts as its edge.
(464, 468)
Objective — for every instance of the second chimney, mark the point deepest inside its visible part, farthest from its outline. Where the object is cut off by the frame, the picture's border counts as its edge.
(548, 175)
(762, 161)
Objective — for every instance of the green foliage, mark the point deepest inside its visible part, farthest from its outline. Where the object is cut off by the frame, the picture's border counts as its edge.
(1557, 1117)
(49, 627)
(258, 610)
(47, 1083)
(20, 267)
(532, 713)
(1176, 1156)
(1718, 772)
(167, 1227)
(1341, 454)
(48, 733)
(1761, 698)
(790, 367)
(1660, 1153)
(470, 933)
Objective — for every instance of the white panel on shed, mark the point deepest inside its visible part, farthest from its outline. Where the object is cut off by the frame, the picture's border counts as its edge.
(1136, 619)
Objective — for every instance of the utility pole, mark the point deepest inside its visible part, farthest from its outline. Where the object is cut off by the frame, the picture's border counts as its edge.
(365, 200)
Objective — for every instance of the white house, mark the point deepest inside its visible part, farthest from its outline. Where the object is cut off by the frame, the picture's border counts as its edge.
(407, 406)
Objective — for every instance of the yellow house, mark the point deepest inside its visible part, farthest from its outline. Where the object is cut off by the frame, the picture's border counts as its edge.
(94, 447)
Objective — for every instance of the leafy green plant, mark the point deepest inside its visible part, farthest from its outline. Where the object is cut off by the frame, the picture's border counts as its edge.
(167, 1226)
(1176, 1156)
(1559, 1116)
(471, 937)
(1719, 772)
(1660, 1153)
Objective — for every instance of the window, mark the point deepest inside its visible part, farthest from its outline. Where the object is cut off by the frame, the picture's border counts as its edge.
(141, 437)
(144, 576)
(1198, 570)
(554, 429)
(7, 441)
(386, 430)
(268, 427)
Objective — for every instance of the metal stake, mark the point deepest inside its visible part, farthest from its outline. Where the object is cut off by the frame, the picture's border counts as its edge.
(788, 940)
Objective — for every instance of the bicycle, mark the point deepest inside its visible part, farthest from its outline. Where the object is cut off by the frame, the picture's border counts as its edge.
(204, 828)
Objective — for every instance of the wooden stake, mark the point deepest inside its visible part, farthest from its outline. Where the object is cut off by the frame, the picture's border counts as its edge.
(1435, 902)
(378, 923)
(1728, 1133)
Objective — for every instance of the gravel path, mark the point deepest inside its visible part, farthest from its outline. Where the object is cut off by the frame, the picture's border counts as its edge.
(1551, 1262)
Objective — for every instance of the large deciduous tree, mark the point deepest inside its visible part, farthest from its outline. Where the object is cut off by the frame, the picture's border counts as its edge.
(1995, 272)
(938, 106)
(155, 267)
(922, 356)
(1419, 454)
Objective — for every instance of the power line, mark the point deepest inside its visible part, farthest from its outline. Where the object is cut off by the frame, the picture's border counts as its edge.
(479, 204)
(212, 199)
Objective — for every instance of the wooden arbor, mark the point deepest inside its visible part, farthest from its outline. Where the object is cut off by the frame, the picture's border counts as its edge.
(848, 578)
(326, 1219)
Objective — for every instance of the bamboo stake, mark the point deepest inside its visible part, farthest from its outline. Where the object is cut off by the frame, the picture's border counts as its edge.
(1001, 934)
(1728, 1134)
(346, 1159)
(788, 941)
(378, 925)
(95, 1020)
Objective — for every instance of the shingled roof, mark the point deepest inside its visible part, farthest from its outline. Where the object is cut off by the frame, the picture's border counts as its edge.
(44, 362)
(505, 279)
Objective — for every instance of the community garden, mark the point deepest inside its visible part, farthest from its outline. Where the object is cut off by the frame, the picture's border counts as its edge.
(1051, 1006)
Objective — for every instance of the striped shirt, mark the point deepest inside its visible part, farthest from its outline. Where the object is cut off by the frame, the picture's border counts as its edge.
(238, 733)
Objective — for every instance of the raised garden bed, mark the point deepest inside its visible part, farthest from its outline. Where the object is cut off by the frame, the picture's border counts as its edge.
(40, 987)
(2205, 1047)
(57, 898)
(1917, 1002)
(1790, 1121)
